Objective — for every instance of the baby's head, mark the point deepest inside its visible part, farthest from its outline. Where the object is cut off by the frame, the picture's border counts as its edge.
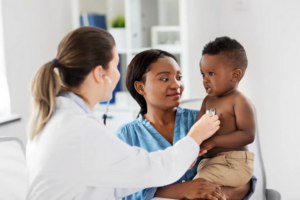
(223, 65)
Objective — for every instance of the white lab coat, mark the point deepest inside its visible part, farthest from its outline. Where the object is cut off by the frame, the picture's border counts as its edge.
(76, 157)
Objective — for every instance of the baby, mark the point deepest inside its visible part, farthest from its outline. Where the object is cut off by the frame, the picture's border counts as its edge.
(227, 161)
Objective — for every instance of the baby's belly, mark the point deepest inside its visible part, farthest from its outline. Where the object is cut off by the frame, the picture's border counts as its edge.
(214, 151)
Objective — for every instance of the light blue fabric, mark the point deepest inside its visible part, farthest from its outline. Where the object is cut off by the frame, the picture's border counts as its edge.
(142, 134)
(77, 100)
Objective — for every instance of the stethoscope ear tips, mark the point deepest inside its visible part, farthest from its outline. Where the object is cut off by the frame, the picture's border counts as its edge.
(105, 77)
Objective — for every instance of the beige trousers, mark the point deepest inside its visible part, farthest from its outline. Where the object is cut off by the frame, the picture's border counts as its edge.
(233, 168)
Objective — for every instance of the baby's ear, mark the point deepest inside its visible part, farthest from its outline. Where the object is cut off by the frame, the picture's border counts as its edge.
(139, 87)
(236, 75)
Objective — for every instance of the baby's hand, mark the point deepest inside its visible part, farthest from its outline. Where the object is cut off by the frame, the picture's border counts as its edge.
(206, 146)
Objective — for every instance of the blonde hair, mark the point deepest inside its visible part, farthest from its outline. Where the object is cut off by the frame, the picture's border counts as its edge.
(45, 86)
(77, 55)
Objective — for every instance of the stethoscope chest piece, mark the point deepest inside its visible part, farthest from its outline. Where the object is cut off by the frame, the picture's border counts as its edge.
(211, 110)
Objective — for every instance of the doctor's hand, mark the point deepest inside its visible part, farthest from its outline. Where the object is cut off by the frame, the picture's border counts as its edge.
(202, 152)
(202, 189)
(193, 164)
(204, 128)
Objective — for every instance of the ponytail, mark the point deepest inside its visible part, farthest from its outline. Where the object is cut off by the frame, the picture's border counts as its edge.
(45, 86)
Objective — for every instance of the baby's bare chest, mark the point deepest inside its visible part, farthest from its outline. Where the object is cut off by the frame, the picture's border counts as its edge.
(225, 110)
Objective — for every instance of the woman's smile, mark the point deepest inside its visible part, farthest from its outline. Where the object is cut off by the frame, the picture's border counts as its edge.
(174, 95)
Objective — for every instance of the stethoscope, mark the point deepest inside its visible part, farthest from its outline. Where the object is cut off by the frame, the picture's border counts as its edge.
(211, 110)
(109, 97)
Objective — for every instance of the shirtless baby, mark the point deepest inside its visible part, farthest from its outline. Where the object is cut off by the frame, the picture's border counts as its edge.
(227, 161)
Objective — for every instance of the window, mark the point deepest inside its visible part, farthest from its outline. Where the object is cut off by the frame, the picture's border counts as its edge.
(4, 94)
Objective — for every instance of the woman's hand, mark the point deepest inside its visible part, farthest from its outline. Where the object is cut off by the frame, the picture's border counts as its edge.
(204, 128)
(237, 193)
(195, 189)
(202, 189)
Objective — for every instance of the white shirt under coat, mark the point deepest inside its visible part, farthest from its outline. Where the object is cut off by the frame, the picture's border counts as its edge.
(76, 157)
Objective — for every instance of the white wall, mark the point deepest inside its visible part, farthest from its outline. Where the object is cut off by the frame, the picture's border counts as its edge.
(32, 31)
(168, 12)
(201, 27)
(270, 32)
(4, 100)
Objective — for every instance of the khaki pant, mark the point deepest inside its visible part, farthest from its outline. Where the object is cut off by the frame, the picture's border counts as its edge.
(233, 168)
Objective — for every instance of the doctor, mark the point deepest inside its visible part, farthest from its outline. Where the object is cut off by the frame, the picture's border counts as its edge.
(70, 154)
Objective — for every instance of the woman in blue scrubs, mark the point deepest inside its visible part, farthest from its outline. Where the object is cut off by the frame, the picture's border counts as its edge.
(155, 81)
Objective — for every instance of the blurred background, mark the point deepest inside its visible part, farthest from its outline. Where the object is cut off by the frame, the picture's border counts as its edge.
(269, 30)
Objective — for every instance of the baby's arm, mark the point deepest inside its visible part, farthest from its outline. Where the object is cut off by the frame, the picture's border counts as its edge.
(202, 110)
(246, 127)
(201, 113)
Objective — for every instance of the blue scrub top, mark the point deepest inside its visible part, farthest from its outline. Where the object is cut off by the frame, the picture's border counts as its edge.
(142, 134)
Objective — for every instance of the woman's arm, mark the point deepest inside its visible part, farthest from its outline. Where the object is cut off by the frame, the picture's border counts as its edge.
(195, 189)
(236, 193)
(244, 192)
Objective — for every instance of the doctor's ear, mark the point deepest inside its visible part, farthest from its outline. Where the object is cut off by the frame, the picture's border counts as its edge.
(98, 73)
(139, 87)
(236, 75)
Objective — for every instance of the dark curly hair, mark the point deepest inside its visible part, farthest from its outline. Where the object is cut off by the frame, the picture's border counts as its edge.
(233, 51)
(136, 72)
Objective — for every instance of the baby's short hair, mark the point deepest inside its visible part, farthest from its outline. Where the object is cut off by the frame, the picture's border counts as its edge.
(231, 49)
